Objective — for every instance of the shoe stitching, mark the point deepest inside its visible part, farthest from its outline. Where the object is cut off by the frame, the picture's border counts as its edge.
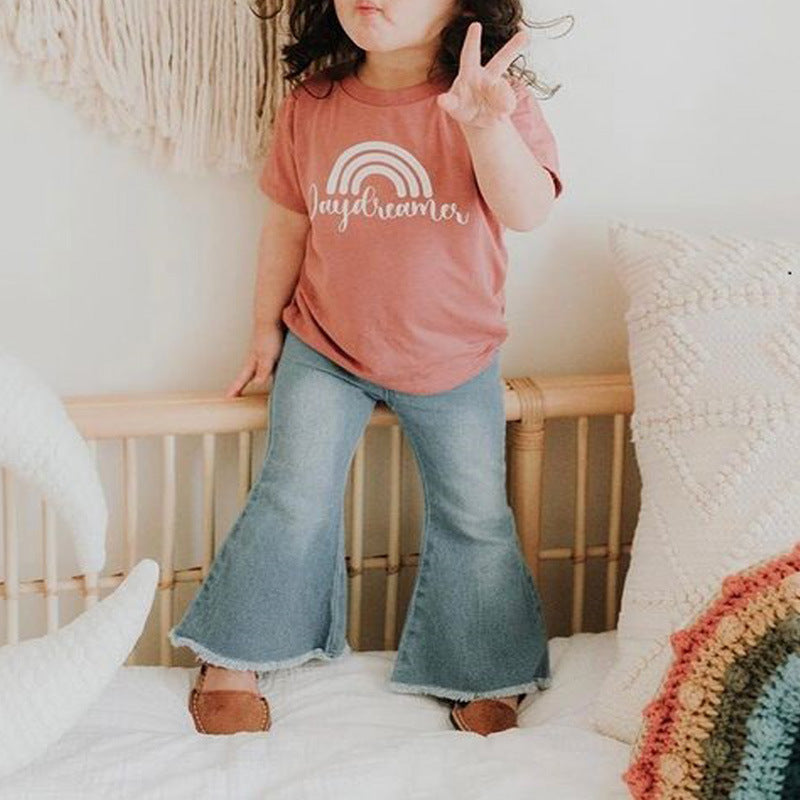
(196, 711)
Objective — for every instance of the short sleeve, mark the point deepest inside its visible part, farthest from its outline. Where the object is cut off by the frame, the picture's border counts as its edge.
(279, 179)
(533, 127)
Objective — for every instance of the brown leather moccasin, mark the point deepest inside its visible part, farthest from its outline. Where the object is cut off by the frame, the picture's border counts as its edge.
(221, 711)
(484, 715)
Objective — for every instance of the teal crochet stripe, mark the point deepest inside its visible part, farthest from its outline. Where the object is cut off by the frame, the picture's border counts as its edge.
(791, 788)
(771, 731)
(744, 681)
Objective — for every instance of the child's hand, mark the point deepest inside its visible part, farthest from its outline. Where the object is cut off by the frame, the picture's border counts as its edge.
(480, 96)
(266, 344)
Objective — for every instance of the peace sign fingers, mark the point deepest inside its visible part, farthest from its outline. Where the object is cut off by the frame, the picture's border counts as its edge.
(470, 59)
(478, 96)
(505, 55)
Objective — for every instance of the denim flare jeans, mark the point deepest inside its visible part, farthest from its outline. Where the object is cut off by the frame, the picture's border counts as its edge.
(276, 593)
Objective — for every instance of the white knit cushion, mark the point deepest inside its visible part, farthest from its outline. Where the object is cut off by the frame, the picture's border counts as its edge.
(714, 340)
(40, 444)
(47, 683)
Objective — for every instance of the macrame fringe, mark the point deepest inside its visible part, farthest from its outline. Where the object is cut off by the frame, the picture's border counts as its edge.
(194, 82)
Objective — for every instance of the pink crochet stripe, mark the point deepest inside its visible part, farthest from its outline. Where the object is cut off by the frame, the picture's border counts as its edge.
(737, 592)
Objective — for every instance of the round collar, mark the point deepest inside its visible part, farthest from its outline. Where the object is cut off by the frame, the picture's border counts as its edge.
(355, 87)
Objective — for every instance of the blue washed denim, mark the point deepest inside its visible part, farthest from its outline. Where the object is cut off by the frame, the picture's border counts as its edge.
(276, 593)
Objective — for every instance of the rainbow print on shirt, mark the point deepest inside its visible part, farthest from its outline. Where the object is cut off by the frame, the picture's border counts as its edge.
(347, 194)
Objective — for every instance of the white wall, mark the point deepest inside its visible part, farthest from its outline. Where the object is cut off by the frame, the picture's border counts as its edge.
(119, 277)
(671, 113)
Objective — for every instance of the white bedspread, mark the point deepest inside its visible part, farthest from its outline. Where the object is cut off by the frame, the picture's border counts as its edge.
(337, 733)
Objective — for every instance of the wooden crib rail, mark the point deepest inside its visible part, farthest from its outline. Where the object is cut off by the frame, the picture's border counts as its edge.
(530, 402)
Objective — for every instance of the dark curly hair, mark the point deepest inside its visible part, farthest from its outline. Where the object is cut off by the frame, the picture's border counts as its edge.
(319, 39)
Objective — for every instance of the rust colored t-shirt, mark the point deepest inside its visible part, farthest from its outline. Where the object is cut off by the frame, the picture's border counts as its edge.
(402, 281)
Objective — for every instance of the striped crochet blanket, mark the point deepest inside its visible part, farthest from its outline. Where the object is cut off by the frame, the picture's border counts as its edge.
(726, 720)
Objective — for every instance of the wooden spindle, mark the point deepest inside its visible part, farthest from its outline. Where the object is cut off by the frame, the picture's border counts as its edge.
(356, 566)
(91, 588)
(393, 551)
(209, 487)
(615, 521)
(50, 558)
(130, 510)
(130, 499)
(167, 582)
(525, 460)
(579, 547)
(11, 554)
(245, 467)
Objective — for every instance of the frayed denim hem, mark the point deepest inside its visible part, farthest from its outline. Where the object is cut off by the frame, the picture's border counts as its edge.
(259, 667)
(454, 694)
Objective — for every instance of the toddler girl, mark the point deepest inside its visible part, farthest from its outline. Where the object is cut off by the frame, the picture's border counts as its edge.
(390, 178)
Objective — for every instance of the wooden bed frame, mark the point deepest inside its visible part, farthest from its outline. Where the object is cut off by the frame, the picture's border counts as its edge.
(531, 402)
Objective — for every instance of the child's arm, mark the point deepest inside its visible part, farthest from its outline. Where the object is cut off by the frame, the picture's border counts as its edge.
(518, 189)
(513, 150)
(280, 255)
(283, 235)
(281, 248)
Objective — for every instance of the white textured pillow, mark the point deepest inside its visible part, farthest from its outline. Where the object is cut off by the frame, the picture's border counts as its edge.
(714, 345)
(47, 683)
(39, 442)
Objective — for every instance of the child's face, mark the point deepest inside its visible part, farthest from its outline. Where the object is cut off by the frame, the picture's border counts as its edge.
(396, 23)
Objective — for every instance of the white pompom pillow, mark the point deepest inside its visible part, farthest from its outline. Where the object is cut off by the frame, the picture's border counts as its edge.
(47, 683)
(39, 443)
(714, 347)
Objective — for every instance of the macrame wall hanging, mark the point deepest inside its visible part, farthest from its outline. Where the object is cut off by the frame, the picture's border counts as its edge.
(194, 82)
